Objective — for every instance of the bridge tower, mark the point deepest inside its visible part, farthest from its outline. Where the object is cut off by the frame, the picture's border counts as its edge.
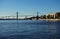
(37, 17)
(17, 15)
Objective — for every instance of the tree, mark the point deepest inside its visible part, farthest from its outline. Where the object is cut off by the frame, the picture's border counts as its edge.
(44, 16)
(58, 15)
(48, 16)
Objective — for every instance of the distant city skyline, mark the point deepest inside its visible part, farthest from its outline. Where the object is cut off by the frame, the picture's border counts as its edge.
(28, 7)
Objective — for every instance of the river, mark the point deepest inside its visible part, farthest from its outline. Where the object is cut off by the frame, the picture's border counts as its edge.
(29, 29)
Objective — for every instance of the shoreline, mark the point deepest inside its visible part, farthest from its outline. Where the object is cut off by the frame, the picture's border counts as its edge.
(53, 20)
(49, 19)
(33, 19)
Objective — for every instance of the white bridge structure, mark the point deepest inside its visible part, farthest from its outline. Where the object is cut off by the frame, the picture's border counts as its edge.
(15, 17)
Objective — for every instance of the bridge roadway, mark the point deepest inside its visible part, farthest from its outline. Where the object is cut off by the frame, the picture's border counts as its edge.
(23, 17)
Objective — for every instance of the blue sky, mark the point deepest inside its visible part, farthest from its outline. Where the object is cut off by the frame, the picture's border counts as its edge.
(28, 7)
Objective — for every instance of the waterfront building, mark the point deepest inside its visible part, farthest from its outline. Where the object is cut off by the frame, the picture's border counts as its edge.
(51, 16)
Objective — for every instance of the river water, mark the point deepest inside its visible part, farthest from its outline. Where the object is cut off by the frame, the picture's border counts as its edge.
(29, 29)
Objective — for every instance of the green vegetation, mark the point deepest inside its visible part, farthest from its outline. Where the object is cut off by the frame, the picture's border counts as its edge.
(58, 15)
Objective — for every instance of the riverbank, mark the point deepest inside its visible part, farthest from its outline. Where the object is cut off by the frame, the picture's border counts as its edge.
(50, 19)
(34, 19)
